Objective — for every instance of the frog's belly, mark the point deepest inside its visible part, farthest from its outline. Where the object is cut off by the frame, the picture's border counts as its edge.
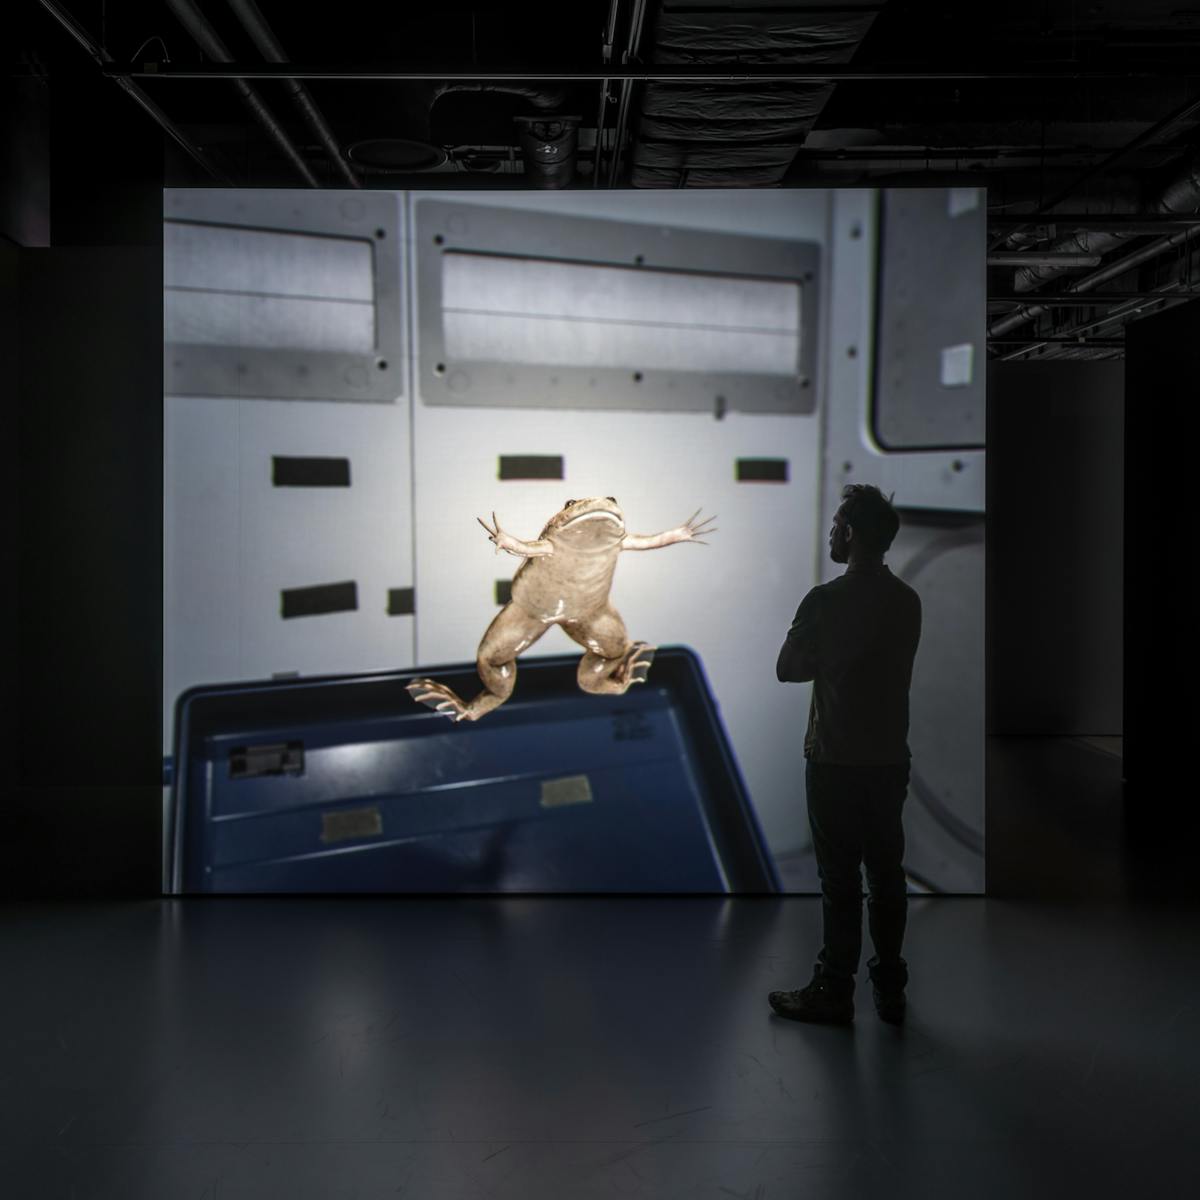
(560, 597)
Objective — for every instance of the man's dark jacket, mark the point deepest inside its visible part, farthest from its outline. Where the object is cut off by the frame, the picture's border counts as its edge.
(855, 638)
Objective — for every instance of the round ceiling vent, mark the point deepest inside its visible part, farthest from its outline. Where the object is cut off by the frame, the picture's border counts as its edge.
(395, 155)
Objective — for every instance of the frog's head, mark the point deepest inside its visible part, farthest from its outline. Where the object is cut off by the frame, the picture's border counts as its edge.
(595, 524)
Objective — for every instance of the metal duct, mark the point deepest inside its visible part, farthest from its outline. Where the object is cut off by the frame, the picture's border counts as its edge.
(742, 133)
(203, 34)
(411, 129)
(1182, 196)
(260, 32)
(102, 58)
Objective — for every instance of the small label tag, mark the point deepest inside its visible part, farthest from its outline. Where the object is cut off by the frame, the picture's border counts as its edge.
(353, 823)
(958, 365)
(963, 200)
(574, 789)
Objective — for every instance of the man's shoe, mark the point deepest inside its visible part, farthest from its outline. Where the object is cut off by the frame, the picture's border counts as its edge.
(887, 989)
(821, 1003)
(889, 1005)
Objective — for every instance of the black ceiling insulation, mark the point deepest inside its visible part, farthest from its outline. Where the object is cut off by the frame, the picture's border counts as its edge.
(739, 134)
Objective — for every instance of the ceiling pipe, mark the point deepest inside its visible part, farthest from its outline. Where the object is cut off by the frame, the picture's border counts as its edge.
(1067, 261)
(203, 34)
(610, 37)
(102, 58)
(1144, 139)
(260, 32)
(1024, 315)
(1114, 222)
(1167, 292)
(1084, 300)
(632, 44)
(1181, 197)
(826, 73)
(1182, 194)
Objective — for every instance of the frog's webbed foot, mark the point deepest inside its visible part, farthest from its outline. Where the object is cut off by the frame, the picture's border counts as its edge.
(635, 663)
(438, 697)
(614, 676)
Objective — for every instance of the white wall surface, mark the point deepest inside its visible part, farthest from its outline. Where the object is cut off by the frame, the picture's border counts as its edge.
(732, 600)
(421, 475)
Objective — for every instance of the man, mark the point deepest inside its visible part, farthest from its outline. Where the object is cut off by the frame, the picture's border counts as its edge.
(855, 638)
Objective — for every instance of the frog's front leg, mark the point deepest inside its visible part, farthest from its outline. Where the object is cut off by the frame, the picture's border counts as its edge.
(511, 632)
(681, 533)
(505, 541)
(612, 662)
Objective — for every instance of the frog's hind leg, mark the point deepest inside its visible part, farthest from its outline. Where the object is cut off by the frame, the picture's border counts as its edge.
(612, 662)
(511, 632)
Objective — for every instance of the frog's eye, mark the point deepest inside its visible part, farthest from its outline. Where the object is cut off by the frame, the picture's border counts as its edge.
(569, 503)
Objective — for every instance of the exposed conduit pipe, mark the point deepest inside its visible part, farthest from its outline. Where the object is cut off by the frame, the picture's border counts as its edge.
(1042, 215)
(268, 45)
(1182, 195)
(1168, 291)
(102, 58)
(203, 34)
(610, 34)
(637, 20)
(1154, 250)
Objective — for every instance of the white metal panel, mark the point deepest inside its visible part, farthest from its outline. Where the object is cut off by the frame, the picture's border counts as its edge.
(732, 601)
(518, 310)
(225, 258)
(283, 294)
(227, 286)
(941, 554)
(295, 537)
(934, 479)
(201, 549)
(234, 541)
(271, 322)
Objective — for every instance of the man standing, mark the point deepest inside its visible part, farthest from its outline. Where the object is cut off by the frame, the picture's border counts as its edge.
(855, 638)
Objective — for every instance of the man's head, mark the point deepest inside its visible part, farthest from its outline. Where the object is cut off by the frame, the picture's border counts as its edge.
(863, 526)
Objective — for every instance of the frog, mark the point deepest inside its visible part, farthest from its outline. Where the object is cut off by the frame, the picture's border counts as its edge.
(564, 579)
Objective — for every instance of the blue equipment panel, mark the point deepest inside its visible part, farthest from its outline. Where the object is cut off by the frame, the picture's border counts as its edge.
(345, 784)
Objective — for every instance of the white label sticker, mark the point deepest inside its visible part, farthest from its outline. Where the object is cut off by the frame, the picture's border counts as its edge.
(963, 200)
(957, 364)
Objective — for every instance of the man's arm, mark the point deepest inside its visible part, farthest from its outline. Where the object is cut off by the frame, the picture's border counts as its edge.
(798, 659)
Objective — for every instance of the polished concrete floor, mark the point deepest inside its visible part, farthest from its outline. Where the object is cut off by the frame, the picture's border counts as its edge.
(579, 1048)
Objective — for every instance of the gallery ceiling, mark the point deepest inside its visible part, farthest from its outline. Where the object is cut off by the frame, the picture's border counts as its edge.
(1081, 119)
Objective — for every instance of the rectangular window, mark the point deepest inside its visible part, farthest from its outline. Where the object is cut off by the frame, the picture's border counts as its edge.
(252, 287)
(275, 295)
(497, 308)
(526, 309)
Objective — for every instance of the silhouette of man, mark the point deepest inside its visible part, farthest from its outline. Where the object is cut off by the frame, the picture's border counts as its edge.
(855, 638)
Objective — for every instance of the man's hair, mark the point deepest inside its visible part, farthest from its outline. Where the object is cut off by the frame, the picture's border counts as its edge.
(873, 518)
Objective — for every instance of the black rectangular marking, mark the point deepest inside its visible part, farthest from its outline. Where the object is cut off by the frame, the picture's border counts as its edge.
(310, 472)
(531, 466)
(401, 602)
(314, 601)
(351, 824)
(762, 470)
(503, 591)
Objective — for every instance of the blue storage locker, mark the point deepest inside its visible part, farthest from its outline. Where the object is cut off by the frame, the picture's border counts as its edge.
(345, 784)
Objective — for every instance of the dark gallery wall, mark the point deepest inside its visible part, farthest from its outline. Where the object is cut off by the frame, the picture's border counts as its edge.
(1162, 371)
(1056, 543)
(82, 333)
(82, 814)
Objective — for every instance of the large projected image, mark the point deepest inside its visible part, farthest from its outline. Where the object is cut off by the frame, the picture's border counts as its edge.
(410, 438)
